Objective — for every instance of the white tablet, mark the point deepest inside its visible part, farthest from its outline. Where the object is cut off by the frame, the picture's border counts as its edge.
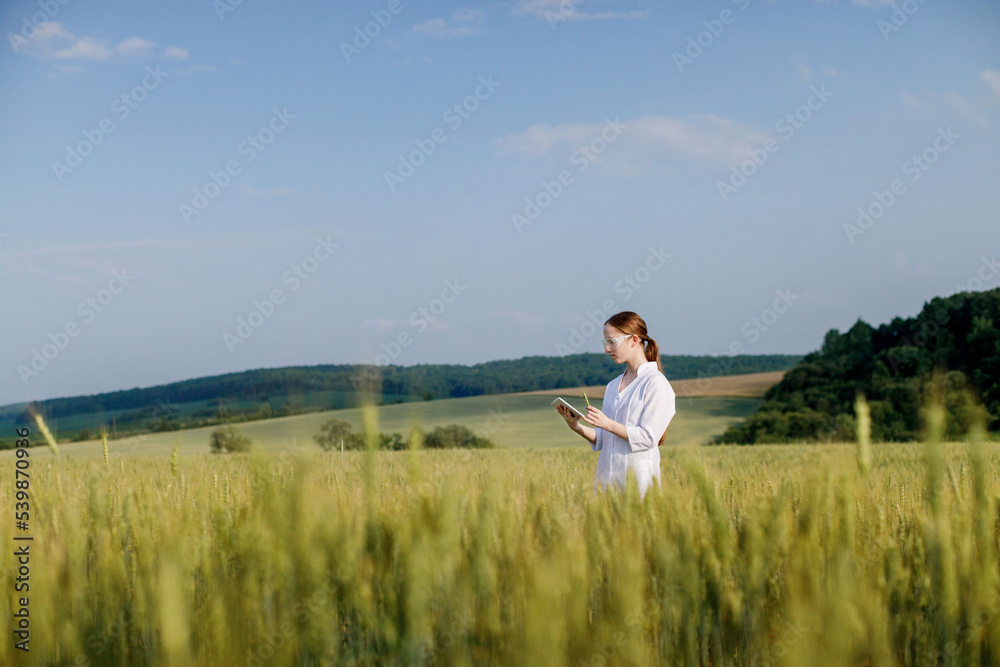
(559, 401)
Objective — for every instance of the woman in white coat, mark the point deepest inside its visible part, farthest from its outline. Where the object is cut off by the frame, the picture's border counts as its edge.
(639, 405)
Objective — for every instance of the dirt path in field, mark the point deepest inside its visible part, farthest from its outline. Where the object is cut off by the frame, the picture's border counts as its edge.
(751, 385)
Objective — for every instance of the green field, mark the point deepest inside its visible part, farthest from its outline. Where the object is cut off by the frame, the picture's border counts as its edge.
(508, 420)
(765, 555)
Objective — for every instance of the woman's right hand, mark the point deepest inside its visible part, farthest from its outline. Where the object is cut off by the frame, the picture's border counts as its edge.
(567, 414)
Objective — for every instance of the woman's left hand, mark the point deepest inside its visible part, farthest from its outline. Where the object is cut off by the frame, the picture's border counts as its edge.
(597, 418)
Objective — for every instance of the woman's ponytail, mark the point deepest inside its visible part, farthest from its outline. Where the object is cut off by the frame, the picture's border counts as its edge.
(653, 353)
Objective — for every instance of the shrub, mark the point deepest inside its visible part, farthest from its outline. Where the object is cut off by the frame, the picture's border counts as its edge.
(455, 435)
(228, 439)
(391, 441)
(337, 433)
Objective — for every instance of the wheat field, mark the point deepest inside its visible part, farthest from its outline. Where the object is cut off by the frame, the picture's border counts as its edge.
(766, 555)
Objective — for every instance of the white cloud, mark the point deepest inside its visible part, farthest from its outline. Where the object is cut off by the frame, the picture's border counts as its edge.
(556, 11)
(464, 22)
(964, 108)
(538, 140)
(467, 15)
(951, 105)
(914, 101)
(992, 79)
(53, 41)
(644, 142)
(437, 28)
(175, 52)
(41, 41)
(85, 48)
(134, 46)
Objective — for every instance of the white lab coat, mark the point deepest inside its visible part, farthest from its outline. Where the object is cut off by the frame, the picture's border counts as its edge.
(645, 408)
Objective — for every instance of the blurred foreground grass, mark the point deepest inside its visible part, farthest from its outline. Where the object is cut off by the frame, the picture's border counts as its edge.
(784, 555)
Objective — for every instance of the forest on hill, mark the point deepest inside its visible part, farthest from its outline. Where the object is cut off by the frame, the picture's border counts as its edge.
(949, 352)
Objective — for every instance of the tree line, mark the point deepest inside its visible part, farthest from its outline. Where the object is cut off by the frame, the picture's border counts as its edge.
(949, 353)
(263, 393)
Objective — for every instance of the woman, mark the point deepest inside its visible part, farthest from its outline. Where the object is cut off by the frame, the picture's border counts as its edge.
(640, 404)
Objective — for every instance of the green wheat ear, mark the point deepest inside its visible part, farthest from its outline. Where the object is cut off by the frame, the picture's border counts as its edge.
(587, 401)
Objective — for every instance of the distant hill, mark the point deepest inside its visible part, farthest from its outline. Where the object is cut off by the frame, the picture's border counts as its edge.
(749, 385)
(952, 347)
(263, 393)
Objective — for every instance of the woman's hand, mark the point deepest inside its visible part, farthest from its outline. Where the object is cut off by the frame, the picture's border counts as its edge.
(598, 418)
(567, 414)
(589, 434)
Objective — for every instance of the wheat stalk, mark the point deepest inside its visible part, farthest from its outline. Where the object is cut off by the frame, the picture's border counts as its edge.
(864, 427)
(46, 434)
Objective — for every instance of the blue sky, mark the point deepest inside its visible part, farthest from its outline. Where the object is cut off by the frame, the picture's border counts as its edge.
(193, 188)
